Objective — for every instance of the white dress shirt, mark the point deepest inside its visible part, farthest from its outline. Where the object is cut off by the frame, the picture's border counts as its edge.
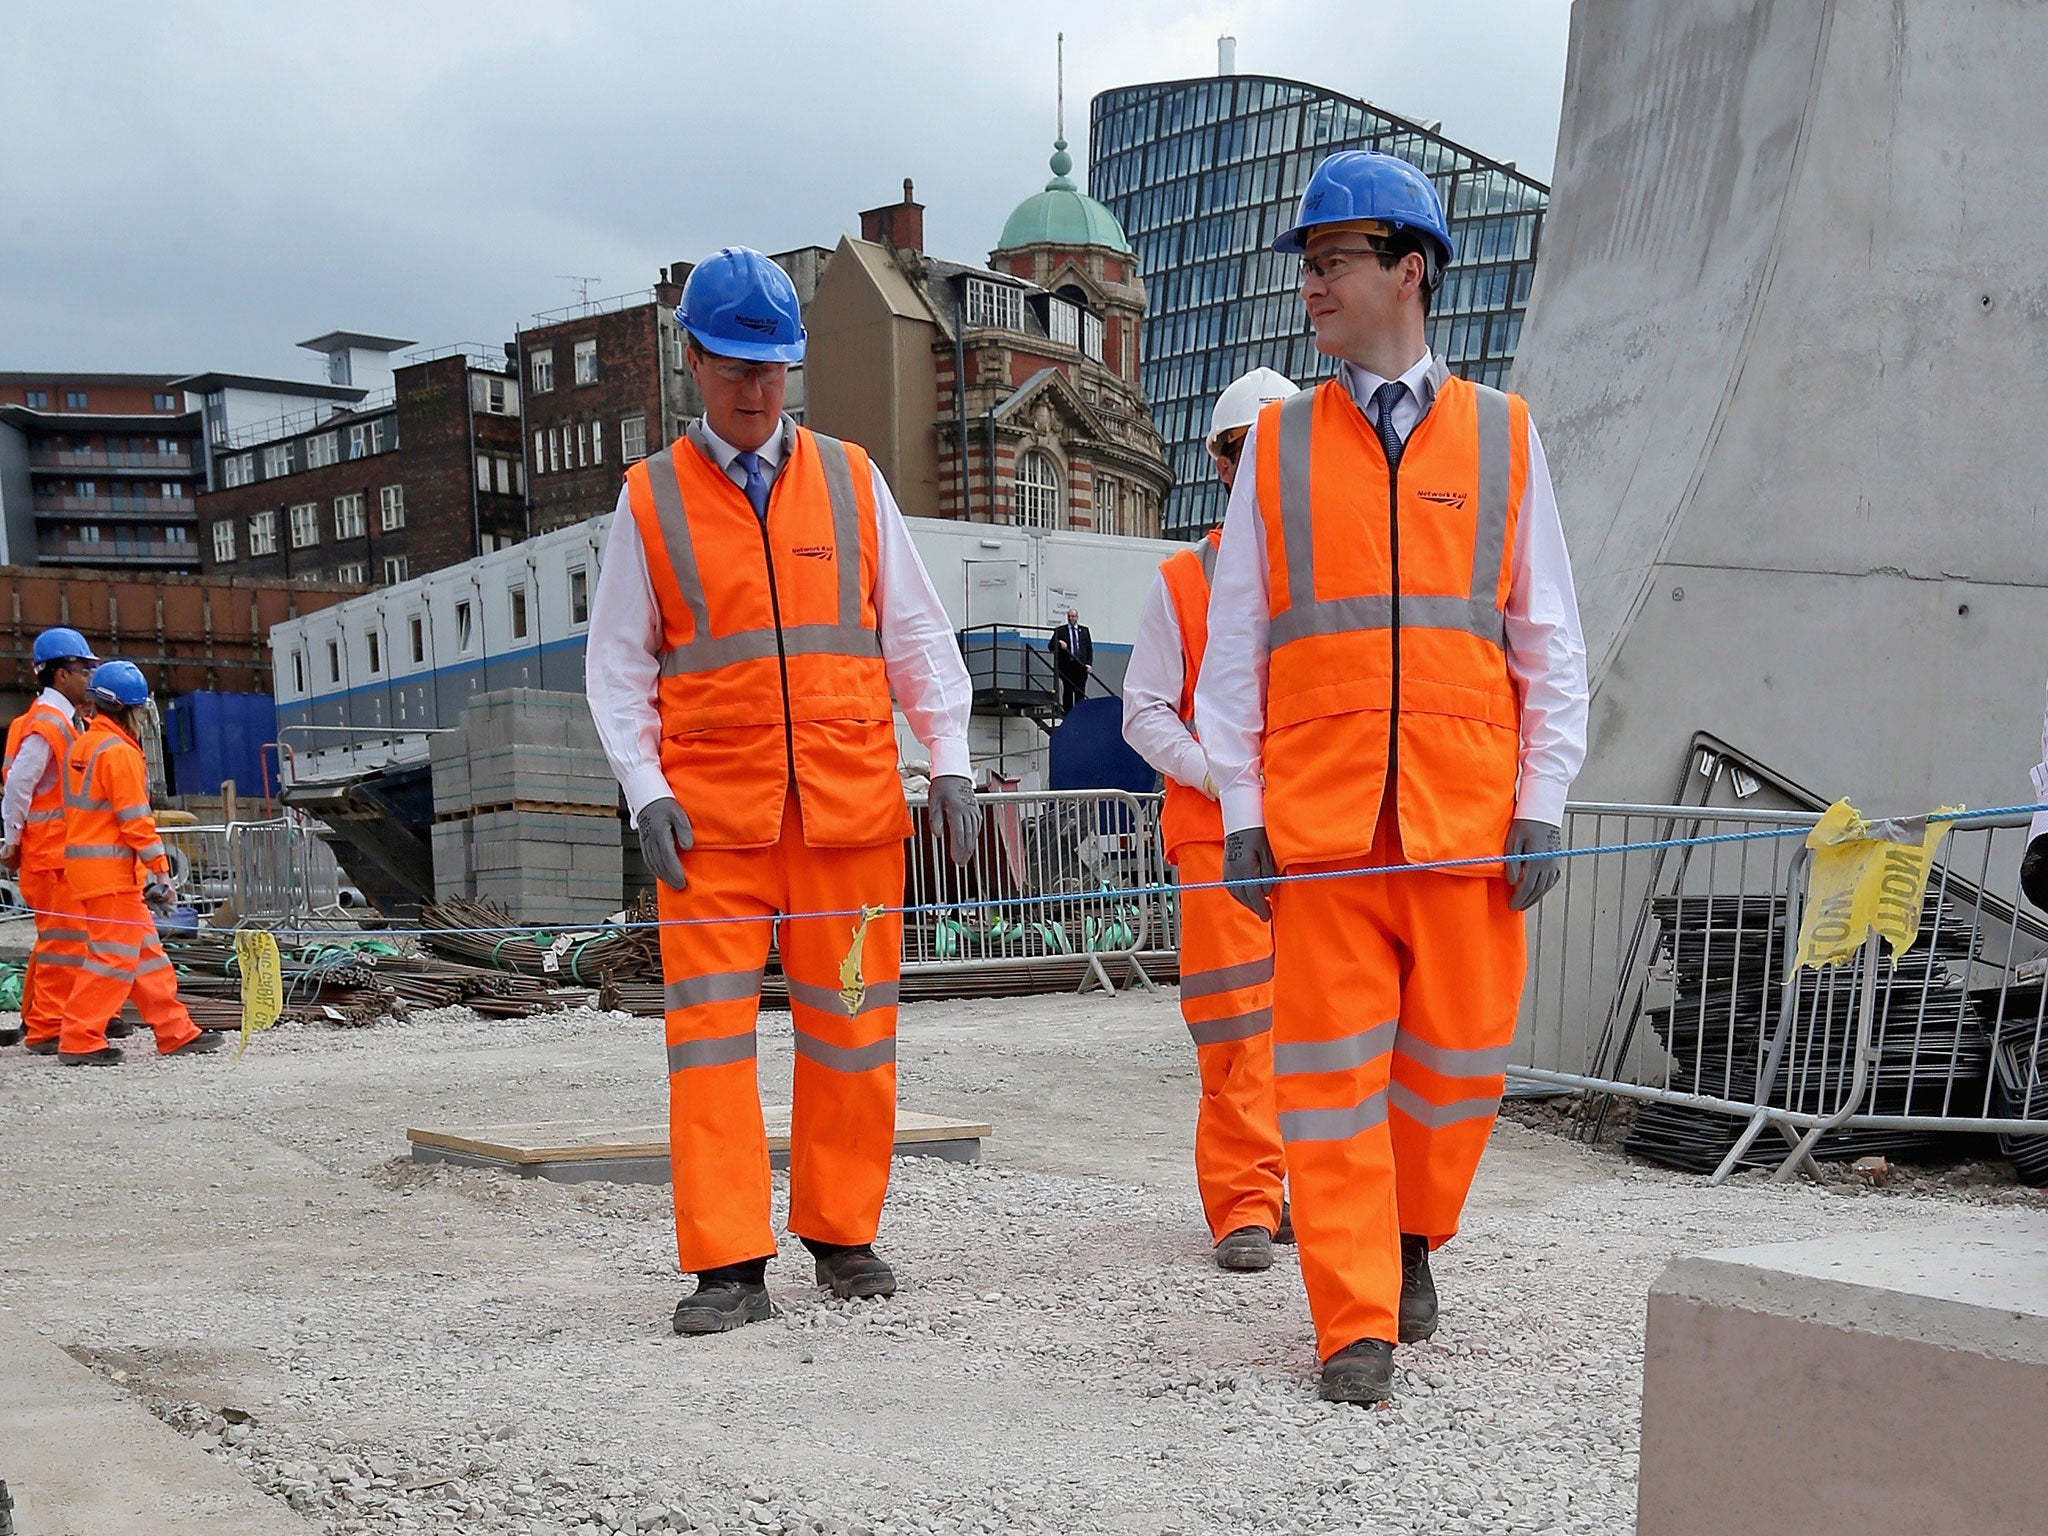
(1546, 650)
(622, 654)
(1152, 686)
(35, 770)
(2040, 780)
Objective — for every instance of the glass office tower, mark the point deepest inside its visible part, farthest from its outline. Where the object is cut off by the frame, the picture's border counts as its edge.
(1203, 174)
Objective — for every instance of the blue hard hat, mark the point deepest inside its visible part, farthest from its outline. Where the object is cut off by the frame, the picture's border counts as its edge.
(119, 682)
(1359, 184)
(740, 304)
(61, 645)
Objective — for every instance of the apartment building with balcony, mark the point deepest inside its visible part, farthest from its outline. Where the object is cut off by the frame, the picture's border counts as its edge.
(99, 470)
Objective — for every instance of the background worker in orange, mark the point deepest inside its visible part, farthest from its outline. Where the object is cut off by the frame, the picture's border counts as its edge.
(118, 870)
(1395, 674)
(1226, 953)
(759, 603)
(32, 811)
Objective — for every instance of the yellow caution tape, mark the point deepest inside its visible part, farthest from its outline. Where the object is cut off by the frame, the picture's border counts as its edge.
(1866, 875)
(262, 972)
(853, 987)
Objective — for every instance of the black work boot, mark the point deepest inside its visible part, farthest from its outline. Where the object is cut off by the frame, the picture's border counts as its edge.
(1359, 1373)
(1418, 1290)
(726, 1298)
(42, 1047)
(105, 1056)
(1245, 1250)
(12, 1036)
(1284, 1233)
(119, 1028)
(851, 1272)
(205, 1041)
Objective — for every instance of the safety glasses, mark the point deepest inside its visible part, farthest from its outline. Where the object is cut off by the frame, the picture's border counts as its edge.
(1335, 263)
(733, 371)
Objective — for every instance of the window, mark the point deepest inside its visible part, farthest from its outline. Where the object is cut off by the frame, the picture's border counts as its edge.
(597, 442)
(355, 571)
(419, 639)
(90, 533)
(1038, 491)
(994, 304)
(586, 362)
(169, 448)
(357, 441)
(263, 533)
(391, 507)
(504, 467)
(554, 451)
(483, 471)
(235, 470)
(177, 533)
(84, 490)
(305, 524)
(169, 490)
(1063, 322)
(348, 516)
(224, 540)
(633, 439)
(518, 596)
(543, 370)
(298, 671)
(540, 452)
(39, 399)
(579, 595)
(381, 437)
(1091, 335)
(334, 661)
(492, 395)
(394, 569)
(462, 627)
(582, 444)
(277, 461)
(74, 400)
(323, 450)
(1106, 507)
(376, 651)
(164, 402)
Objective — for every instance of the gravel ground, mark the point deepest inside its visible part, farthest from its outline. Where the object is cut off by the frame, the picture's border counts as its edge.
(391, 1347)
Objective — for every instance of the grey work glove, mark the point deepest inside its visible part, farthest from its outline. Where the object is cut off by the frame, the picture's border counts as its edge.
(1248, 857)
(1530, 881)
(954, 807)
(665, 836)
(157, 893)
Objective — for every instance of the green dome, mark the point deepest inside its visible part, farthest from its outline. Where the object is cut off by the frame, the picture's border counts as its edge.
(1062, 214)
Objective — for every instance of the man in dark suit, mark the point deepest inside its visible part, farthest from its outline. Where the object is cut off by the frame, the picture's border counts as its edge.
(1073, 652)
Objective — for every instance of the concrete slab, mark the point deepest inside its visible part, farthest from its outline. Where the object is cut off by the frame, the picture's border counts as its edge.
(1893, 1381)
(578, 1151)
(82, 1458)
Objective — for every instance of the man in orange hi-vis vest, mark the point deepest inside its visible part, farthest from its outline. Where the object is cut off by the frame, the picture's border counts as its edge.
(32, 809)
(759, 604)
(1395, 675)
(1226, 953)
(119, 871)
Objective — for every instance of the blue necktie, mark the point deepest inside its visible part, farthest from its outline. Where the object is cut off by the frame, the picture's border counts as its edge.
(1384, 399)
(757, 484)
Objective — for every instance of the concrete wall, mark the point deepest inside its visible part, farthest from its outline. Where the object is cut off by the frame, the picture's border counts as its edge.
(1782, 348)
(17, 504)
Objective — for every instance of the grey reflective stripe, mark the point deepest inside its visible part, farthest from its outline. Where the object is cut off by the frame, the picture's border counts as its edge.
(54, 814)
(131, 813)
(675, 535)
(111, 972)
(155, 963)
(1333, 1124)
(1346, 1053)
(82, 801)
(1446, 1062)
(1437, 1116)
(151, 853)
(1297, 521)
(1490, 535)
(882, 994)
(1476, 613)
(1239, 1026)
(838, 467)
(721, 987)
(99, 851)
(1226, 978)
(720, 1051)
(1208, 562)
(759, 644)
(846, 1058)
(70, 960)
(109, 947)
(64, 936)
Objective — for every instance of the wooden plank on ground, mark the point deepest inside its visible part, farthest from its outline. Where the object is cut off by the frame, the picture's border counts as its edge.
(533, 1143)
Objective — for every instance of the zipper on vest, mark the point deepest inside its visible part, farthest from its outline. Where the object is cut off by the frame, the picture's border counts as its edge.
(1393, 788)
(781, 655)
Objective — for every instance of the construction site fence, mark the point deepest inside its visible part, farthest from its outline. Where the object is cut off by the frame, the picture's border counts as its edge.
(1065, 885)
(1663, 975)
(265, 872)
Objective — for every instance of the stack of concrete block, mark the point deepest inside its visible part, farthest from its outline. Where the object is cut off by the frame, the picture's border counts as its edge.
(527, 810)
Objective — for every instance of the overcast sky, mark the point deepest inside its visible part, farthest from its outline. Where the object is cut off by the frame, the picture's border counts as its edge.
(200, 186)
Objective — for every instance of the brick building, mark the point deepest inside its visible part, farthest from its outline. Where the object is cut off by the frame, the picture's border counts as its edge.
(1025, 371)
(98, 469)
(408, 479)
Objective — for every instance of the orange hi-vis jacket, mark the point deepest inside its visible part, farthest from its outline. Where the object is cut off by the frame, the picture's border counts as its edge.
(1189, 816)
(42, 835)
(110, 837)
(771, 663)
(1388, 641)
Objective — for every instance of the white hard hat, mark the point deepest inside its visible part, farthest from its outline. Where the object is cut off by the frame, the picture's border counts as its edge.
(1239, 405)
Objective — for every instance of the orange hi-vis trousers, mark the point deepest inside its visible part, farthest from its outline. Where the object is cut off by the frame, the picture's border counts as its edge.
(1394, 1003)
(54, 965)
(1226, 997)
(843, 1114)
(123, 960)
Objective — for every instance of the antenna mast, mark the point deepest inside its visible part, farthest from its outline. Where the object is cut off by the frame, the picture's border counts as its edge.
(1061, 45)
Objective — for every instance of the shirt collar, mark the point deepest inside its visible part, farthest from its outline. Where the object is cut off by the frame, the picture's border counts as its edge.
(1421, 378)
(58, 702)
(771, 453)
